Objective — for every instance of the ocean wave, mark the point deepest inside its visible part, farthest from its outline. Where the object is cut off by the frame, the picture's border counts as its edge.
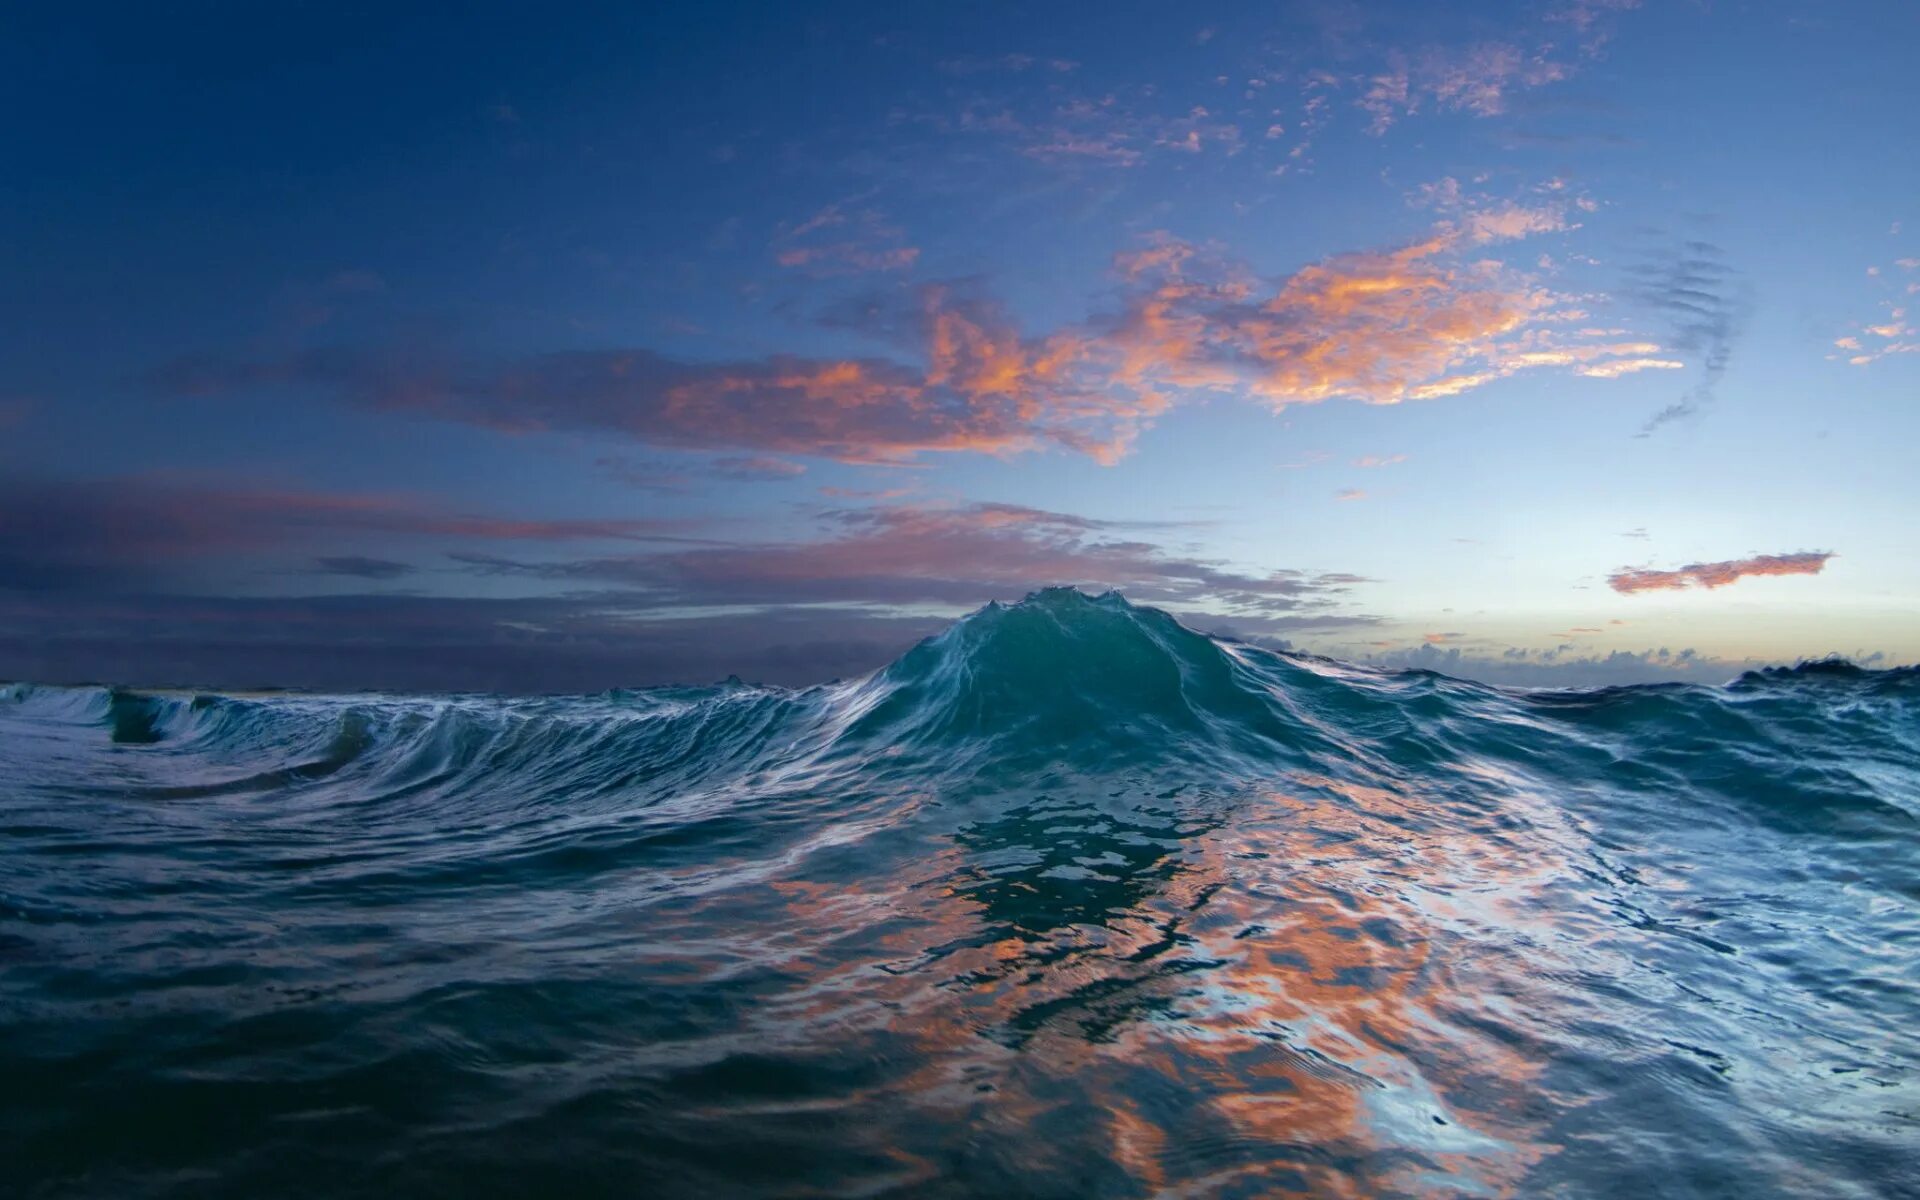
(1069, 899)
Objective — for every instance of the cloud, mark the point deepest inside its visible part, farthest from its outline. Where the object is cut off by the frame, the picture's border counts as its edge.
(845, 599)
(1589, 21)
(1350, 494)
(1482, 219)
(1377, 460)
(60, 535)
(645, 476)
(1509, 222)
(1628, 580)
(954, 555)
(844, 240)
(1476, 79)
(682, 476)
(1891, 336)
(1694, 289)
(1416, 322)
(124, 533)
(1113, 129)
(1014, 63)
(575, 643)
(980, 387)
(748, 470)
(361, 567)
(1559, 667)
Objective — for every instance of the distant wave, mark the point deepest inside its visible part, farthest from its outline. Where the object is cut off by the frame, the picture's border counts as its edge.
(1067, 899)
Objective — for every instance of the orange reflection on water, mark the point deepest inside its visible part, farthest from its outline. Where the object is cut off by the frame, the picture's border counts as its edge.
(1270, 997)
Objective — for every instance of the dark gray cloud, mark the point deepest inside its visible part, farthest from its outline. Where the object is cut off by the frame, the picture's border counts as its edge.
(1702, 300)
(133, 532)
(425, 643)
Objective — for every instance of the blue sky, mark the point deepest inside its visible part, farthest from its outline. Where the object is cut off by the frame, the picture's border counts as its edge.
(1549, 343)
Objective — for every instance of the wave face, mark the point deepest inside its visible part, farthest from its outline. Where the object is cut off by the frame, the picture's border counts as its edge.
(1070, 900)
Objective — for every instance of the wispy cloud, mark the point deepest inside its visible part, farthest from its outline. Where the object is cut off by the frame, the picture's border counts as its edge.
(1476, 79)
(748, 470)
(1589, 20)
(1015, 63)
(824, 603)
(1699, 295)
(957, 555)
(1894, 335)
(846, 238)
(1483, 219)
(1414, 323)
(1628, 580)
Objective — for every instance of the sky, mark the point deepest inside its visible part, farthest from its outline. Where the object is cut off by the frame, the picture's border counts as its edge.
(554, 348)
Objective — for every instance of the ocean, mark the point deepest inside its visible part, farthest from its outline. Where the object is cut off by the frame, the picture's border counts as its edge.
(1069, 900)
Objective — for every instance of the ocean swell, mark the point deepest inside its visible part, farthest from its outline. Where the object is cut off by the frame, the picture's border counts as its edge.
(1068, 900)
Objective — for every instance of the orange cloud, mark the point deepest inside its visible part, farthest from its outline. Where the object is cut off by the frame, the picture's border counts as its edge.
(1894, 335)
(1628, 580)
(1381, 327)
(982, 388)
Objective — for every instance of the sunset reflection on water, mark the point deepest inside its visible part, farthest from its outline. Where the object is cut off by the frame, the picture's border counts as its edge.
(1511, 949)
(1257, 993)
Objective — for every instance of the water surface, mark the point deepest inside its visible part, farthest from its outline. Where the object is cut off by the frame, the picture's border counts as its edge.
(1070, 900)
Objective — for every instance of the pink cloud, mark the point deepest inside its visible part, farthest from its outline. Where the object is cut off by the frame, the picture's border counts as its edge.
(1510, 222)
(955, 555)
(1895, 335)
(1477, 79)
(1628, 580)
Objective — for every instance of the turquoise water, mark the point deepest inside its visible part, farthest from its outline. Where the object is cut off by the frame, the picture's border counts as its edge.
(1070, 900)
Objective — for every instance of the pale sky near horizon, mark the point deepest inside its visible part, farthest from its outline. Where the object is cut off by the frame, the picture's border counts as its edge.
(538, 349)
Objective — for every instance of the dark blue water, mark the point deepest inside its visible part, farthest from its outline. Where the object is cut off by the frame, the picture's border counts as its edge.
(1068, 901)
